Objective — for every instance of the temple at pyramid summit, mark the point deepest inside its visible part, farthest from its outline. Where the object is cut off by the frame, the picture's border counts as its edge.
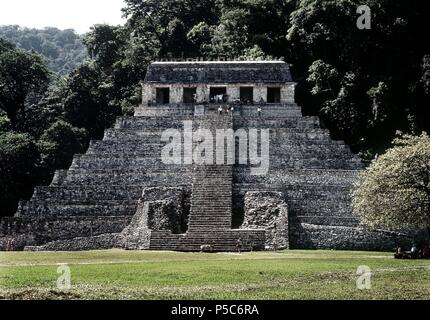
(124, 193)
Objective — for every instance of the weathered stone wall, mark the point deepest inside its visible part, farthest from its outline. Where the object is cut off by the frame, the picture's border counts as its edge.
(158, 209)
(165, 208)
(288, 93)
(308, 236)
(268, 210)
(203, 91)
(209, 72)
(202, 94)
(148, 94)
(16, 233)
(260, 93)
(233, 92)
(101, 242)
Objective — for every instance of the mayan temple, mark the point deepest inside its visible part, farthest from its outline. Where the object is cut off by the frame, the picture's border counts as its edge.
(123, 194)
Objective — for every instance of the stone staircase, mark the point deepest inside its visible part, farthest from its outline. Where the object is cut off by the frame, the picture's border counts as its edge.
(217, 241)
(211, 201)
(210, 219)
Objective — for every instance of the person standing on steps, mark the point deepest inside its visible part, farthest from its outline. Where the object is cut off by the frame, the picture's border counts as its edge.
(239, 245)
(220, 110)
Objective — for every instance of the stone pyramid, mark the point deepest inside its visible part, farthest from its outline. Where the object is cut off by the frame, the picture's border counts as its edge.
(121, 194)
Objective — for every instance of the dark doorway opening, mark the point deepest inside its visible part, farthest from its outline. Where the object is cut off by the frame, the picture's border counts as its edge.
(189, 95)
(246, 95)
(273, 95)
(218, 95)
(163, 95)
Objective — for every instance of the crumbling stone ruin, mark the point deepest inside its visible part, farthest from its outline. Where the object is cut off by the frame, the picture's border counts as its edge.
(122, 194)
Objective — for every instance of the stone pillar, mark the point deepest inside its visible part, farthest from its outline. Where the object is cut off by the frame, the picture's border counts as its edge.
(288, 92)
(148, 93)
(268, 210)
(233, 93)
(202, 93)
(260, 92)
(176, 94)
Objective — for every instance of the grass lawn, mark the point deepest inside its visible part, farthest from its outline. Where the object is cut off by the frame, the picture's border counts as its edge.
(116, 274)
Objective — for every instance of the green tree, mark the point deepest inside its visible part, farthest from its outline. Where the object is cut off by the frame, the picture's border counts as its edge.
(262, 23)
(232, 36)
(324, 79)
(344, 113)
(200, 37)
(163, 23)
(254, 53)
(5, 46)
(59, 143)
(82, 101)
(105, 44)
(394, 191)
(18, 169)
(22, 74)
(380, 102)
(41, 114)
(177, 41)
(87, 102)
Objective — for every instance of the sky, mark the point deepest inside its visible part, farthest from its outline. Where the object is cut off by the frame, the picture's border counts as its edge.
(63, 14)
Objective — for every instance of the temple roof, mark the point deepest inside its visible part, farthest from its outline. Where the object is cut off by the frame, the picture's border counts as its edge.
(219, 72)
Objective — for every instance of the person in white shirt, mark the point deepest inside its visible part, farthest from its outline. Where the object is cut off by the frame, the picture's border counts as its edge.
(414, 251)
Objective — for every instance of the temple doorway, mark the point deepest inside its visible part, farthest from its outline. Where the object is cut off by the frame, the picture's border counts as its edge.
(163, 95)
(273, 95)
(218, 94)
(189, 95)
(246, 95)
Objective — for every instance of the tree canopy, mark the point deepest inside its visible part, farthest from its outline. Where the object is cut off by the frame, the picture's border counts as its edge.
(22, 74)
(394, 191)
(62, 48)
